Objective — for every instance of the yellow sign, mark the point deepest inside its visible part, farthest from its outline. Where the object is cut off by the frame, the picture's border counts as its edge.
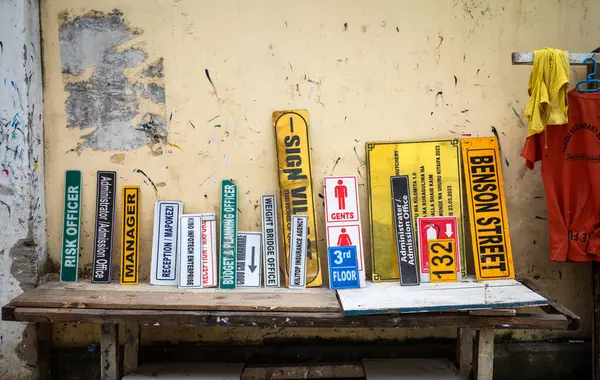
(295, 185)
(131, 235)
(490, 237)
(442, 260)
(435, 183)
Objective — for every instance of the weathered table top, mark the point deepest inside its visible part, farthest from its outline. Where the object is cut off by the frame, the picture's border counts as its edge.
(56, 302)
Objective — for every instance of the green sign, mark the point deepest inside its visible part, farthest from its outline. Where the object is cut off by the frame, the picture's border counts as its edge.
(227, 278)
(71, 226)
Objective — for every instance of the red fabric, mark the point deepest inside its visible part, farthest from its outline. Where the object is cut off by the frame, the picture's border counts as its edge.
(570, 156)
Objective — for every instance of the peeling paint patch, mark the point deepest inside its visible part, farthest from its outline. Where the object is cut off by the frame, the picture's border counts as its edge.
(101, 95)
(24, 262)
(118, 158)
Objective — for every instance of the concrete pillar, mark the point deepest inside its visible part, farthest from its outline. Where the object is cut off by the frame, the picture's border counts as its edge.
(22, 206)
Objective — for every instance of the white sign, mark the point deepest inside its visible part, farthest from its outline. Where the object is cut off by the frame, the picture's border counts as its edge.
(190, 251)
(342, 211)
(270, 241)
(209, 250)
(164, 243)
(298, 252)
(248, 259)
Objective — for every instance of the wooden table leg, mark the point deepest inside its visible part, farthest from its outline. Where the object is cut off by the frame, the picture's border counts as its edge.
(44, 348)
(484, 362)
(131, 348)
(464, 353)
(109, 343)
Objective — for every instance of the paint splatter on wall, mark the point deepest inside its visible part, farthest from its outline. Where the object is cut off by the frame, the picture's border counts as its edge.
(106, 76)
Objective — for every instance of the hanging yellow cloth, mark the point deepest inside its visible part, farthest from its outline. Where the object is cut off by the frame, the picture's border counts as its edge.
(548, 86)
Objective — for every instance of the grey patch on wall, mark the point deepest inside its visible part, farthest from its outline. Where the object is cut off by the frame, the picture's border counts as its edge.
(108, 101)
(24, 262)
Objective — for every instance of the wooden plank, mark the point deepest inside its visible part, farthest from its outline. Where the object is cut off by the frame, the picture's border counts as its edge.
(188, 371)
(44, 348)
(281, 319)
(494, 312)
(145, 296)
(316, 371)
(379, 298)
(131, 347)
(464, 352)
(484, 365)
(109, 352)
(410, 369)
(526, 58)
(554, 307)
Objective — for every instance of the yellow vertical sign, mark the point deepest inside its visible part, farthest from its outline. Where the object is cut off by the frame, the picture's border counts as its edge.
(492, 253)
(435, 183)
(131, 235)
(295, 185)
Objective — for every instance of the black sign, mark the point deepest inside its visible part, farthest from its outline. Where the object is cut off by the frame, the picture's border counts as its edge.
(403, 226)
(105, 220)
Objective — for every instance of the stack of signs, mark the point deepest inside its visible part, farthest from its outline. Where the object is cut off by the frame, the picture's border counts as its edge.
(490, 237)
(227, 277)
(343, 267)
(190, 251)
(209, 250)
(403, 227)
(434, 174)
(248, 259)
(343, 217)
(295, 185)
(433, 229)
(130, 235)
(105, 221)
(71, 227)
(298, 248)
(164, 244)
(270, 241)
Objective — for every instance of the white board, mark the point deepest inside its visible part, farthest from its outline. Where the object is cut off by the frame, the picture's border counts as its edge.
(389, 297)
(188, 371)
(298, 248)
(190, 251)
(249, 259)
(209, 250)
(410, 369)
(164, 243)
(270, 241)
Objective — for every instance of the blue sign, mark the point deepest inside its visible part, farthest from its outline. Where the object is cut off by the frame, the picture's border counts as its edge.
(343, 267)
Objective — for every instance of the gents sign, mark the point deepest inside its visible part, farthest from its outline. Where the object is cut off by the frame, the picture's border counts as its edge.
(295, 184)
(270, 241)
(131, 235)
(164, 245)
(298, 252)
(71, 226)
(403, 225)
(343, 216)
(105, 220)
(209, 250)
(227, 278)
(190, 248)
(487, 209)
(248, 259)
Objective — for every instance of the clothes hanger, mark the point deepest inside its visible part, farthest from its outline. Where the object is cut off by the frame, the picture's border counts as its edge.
(590, 79)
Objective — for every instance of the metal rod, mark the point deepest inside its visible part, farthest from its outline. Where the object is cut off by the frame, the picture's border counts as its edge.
(526, 58)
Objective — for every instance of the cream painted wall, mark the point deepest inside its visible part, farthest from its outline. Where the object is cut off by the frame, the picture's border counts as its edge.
(365, 71)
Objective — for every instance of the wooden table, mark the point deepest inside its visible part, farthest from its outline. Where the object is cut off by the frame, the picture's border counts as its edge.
(132, 306)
